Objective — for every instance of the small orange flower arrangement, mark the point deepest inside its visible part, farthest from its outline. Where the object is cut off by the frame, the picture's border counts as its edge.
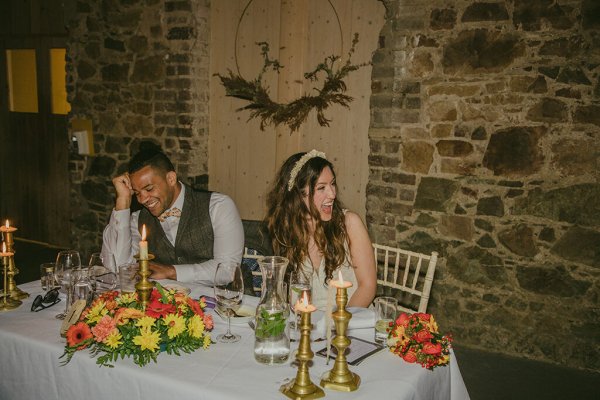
(415, 338)
(115, 325)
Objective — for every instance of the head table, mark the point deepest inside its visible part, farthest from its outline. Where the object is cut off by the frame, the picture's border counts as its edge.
(30, 347)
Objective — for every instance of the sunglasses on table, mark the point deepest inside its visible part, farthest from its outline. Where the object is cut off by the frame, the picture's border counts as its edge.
(48, 300)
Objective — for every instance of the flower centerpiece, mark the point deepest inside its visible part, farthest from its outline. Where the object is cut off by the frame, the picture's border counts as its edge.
(416, 338)
(115, 325)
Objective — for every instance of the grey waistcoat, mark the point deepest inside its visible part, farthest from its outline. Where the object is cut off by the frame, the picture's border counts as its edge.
(195, 237)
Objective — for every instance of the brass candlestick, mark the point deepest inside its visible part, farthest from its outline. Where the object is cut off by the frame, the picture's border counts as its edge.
(14, 292)
(7, 303)
(144, 287)
(340, 377)
(302, 387)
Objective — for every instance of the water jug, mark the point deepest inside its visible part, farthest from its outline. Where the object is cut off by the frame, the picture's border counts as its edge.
(271, 343)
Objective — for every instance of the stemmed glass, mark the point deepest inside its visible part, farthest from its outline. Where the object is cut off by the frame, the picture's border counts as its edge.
(229, 290)
(66, 261)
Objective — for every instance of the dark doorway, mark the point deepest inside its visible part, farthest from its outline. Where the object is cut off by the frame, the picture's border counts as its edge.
(34, 139)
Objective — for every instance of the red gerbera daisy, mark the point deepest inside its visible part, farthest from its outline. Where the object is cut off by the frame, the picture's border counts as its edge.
(78, 333)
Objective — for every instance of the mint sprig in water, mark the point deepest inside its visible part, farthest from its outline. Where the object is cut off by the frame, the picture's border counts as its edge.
(269, 325)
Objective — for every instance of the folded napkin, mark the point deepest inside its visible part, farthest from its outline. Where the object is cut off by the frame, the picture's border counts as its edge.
(362, 318)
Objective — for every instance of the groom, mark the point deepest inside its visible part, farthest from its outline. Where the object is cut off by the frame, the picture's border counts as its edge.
(189, 232)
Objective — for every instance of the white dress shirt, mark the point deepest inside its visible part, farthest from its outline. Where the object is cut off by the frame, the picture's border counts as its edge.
(120, 240)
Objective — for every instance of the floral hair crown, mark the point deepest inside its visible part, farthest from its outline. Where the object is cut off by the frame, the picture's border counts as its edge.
(300, 163)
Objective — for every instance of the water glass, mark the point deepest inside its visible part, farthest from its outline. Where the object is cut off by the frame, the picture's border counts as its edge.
(47, 276)
(386, 309)
(82, 284)
(128, 277)
(300, 284)
(103, 279)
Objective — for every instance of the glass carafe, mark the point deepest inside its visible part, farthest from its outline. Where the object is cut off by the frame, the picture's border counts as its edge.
(271, 343)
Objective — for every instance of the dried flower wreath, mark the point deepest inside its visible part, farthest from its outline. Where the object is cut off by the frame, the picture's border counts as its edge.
(292, 114)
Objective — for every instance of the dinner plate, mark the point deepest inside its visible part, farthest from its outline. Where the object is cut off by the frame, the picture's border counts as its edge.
(244, 314)
(177, 287)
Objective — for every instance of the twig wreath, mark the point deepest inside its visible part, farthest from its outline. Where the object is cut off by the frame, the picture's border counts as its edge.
(292, 114)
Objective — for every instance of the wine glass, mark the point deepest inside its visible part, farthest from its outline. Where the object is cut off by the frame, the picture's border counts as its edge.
(66, 261)
(229, 290)
(102, 278)
(300, 283)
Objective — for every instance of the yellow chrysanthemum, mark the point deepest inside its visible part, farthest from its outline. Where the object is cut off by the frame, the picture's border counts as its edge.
(196, 326)
(114, 339)
(206, 342)
(145, 322)
(175, 324)
(202, 303)
(126, 298)
(96, 313)
(147, 340)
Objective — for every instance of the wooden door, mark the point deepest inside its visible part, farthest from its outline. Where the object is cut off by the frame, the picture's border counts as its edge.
(34, 178)
(243, 159)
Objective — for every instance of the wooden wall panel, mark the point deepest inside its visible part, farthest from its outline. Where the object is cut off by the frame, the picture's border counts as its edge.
(242, 159)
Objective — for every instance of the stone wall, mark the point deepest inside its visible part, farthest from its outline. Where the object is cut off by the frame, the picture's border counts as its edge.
(138, 69)
(485, 146)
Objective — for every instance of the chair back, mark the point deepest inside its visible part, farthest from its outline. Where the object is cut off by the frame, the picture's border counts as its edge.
(250, 263)
(257, 243)
(407, 272)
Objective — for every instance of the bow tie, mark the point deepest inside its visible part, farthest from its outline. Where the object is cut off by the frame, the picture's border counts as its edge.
(173, 212)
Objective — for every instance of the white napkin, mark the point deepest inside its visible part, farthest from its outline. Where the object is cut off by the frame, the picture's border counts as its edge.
(361, 318)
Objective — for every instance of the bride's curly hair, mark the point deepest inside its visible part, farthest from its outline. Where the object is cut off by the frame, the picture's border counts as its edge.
(288, 217)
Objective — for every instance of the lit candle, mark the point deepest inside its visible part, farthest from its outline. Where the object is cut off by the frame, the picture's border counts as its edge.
(7, 228)
(4, 252)
(341, 284)
(304, 306)
(143, 245)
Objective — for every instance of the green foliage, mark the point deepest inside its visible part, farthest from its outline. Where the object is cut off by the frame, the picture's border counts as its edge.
(270, 325)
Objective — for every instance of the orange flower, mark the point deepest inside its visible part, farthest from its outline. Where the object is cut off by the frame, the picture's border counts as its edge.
(78, 333)
(156, 309)
(410, 357)
(195, 306)
(430, 348)
(403, 319)
(208, 321)
(423, 336)
(103, 328)
(124, 314)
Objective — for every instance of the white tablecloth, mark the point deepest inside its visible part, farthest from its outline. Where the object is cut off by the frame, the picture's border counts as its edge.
(30, 347)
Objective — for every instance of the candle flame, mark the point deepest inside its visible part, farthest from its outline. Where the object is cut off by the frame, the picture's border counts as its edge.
(340, 277)
(304, 299)
(7, 224)
(144, 232)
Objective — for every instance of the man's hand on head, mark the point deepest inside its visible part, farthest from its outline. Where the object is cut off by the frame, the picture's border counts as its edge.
(124, 191)
(162, 271)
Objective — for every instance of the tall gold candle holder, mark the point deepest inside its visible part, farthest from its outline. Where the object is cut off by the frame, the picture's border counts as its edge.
(302, 387)
(340, 377)
(14, 292)
(8, 303)
(144, 287)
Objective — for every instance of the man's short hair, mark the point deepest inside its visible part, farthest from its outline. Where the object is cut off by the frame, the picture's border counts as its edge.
(152, 157)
